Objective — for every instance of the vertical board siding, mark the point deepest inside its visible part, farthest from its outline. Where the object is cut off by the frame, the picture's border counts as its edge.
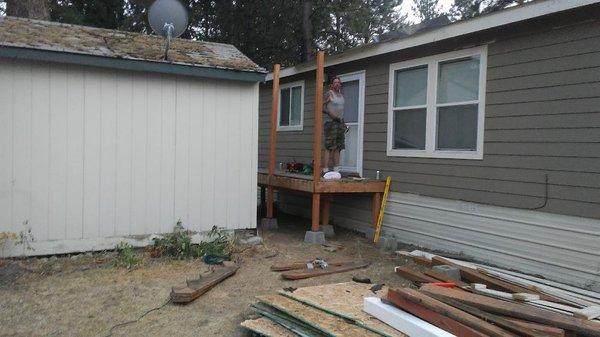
(91, 156)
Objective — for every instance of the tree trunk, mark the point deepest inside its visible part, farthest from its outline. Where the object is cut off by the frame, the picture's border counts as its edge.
(307, 29)
(33, 9)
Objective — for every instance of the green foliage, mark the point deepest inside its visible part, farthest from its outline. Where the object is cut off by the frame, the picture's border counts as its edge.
(426, 9)
(466, 9)
(126, 256)
(178, 243)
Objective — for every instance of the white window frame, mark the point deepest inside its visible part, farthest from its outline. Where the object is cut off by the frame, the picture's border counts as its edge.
(299, 127)
(432, 63)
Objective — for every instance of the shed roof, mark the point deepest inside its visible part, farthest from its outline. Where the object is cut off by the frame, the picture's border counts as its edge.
(18, 37)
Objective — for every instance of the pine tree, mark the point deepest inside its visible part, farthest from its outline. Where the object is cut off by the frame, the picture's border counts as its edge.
(426, 9)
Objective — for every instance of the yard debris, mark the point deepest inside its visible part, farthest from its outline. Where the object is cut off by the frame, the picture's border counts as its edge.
(361, 279)
(195, 288)
(303, 264)
(488, 301)
(302, 274)
(332, 247)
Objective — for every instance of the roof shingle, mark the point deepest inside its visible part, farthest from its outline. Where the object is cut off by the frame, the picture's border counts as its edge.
(66, 38)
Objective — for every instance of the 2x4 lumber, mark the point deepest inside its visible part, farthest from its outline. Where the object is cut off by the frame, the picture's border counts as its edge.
(414, 275)
(549, 331)
(273, 138)
(499, 321)
(316, 198)
(301, 265)
(325, 213)
(449, 311)
(302, 274)
(587, 313)
(349, 186)
(401, 320)
(475, 276)
(433, 317)
(516, 310)
(443, 277)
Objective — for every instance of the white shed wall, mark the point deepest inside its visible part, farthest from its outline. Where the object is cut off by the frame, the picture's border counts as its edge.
(89, 156)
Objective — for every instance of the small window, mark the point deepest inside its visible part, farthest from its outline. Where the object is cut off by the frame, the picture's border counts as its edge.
(437, 106)
(291, 107)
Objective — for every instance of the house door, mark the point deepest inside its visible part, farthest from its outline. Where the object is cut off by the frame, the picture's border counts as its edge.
(353, 87)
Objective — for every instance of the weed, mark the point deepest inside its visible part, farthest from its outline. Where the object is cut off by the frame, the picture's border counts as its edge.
(126, 256)
(178, 244)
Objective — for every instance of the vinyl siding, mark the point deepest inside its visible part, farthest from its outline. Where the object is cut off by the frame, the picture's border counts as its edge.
(542, 117)
(89, 156)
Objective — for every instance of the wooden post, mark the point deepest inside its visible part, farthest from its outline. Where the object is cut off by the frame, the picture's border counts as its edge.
(273, 140)
(316, 198)
(376, 207)
(325, 212)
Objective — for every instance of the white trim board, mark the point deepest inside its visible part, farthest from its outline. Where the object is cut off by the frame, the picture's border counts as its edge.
(400, 320)
(507, 16)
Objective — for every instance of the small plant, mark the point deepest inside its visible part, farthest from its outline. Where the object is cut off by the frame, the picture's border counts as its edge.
(126, 256)
(179, 244)
(26, 237)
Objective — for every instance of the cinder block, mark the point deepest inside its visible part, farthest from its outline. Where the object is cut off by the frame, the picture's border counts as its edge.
(450, 271)
(328, 230)
(387, 243)
(268, 223)
(314, 237)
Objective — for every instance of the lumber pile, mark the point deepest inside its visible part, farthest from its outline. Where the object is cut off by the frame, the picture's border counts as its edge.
(298, 270)
(484, 301)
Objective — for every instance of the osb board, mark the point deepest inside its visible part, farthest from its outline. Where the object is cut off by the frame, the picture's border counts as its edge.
(346, 299)
(329, 324)
(266, 327)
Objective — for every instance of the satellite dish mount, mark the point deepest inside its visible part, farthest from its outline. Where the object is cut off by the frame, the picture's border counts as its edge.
(169, 19)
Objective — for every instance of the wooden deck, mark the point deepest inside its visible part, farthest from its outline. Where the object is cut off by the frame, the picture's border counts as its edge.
(323, 189)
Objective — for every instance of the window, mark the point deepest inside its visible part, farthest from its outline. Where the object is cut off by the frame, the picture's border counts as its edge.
(436, 106)
(291, 107)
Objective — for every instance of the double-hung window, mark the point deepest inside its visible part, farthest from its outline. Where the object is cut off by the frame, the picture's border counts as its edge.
(291, 107)
(436, 106)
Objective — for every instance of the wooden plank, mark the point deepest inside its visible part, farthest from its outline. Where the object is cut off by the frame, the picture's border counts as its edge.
(433, 317)
(318, 115)
(316, 206)
(350, 187)
(291, 183)
(302, 274)
(587, 313)
(414, 275)
(327, 323)
(550, 331)
(443, 277)
(402, 321)
(448, 311)
(375, 207)
(325, 212)
(516, 310)
(475, 276)
(495, 319)
(195, 288)
(273, 137)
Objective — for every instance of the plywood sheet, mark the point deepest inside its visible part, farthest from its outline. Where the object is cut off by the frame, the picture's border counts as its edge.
(346, 299)
(265, 326)
(329, 324)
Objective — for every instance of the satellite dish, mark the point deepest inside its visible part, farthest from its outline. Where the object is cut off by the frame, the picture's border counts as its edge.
(169, 19)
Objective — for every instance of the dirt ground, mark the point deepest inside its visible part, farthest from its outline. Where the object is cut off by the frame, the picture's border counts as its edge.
(85, 295)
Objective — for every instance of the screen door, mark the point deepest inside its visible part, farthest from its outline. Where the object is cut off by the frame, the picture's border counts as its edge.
(353, 86)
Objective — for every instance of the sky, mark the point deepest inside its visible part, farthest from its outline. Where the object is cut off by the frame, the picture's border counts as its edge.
(407, 5)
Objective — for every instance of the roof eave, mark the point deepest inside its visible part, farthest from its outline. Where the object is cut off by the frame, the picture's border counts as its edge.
(130, 64)
(508, 16)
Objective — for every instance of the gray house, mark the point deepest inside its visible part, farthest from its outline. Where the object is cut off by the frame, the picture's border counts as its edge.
(489, 128)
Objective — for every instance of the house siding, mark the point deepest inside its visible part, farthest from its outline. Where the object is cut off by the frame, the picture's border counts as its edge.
(542, 119)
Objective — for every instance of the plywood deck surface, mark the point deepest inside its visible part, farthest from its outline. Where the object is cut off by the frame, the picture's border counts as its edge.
(266, 327)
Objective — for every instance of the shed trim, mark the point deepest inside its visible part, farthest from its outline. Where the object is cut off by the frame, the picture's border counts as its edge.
(131, 65)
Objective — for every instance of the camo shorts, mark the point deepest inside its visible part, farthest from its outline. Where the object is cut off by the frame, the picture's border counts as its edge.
(335, 135)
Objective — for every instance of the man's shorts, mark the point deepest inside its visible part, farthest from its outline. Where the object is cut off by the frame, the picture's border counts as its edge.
(335, 135)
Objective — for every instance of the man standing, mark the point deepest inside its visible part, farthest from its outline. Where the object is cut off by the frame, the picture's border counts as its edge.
(335, 128)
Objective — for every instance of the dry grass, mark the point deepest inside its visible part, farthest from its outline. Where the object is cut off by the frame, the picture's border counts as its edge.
(86, 296)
